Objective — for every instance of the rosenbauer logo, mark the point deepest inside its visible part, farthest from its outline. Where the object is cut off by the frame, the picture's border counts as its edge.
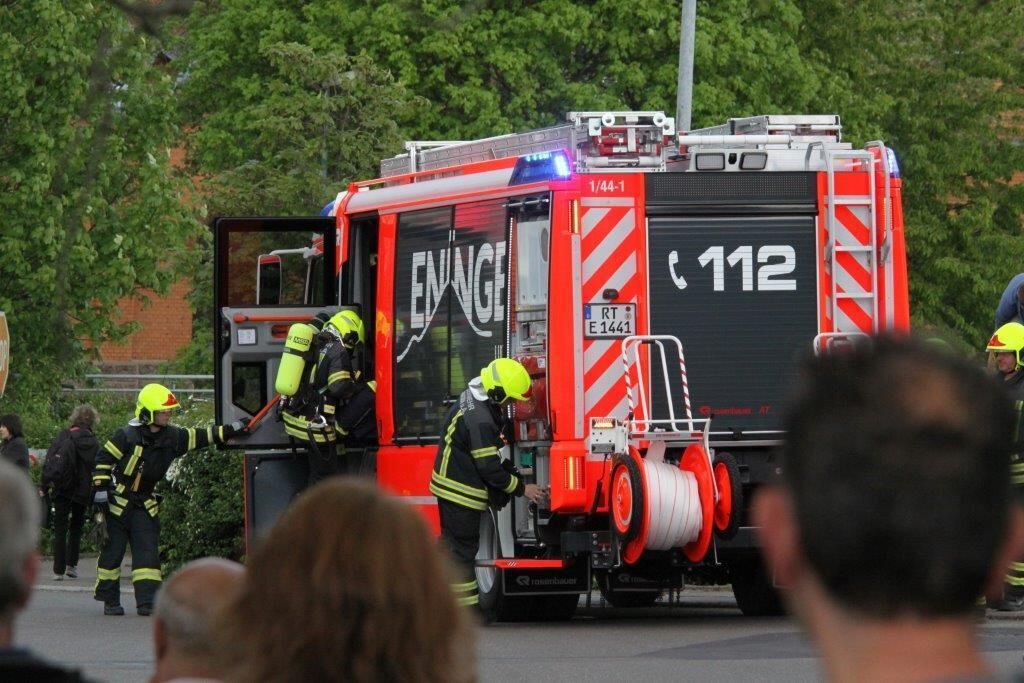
(476, 276)
(538, 581)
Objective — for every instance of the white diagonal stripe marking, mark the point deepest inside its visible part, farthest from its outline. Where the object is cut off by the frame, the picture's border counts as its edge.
(611, 241)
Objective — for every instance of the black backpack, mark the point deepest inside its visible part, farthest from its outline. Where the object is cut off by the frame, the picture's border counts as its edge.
(61, 464)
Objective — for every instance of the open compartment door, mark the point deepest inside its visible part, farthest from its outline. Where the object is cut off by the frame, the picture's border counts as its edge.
(268, 274)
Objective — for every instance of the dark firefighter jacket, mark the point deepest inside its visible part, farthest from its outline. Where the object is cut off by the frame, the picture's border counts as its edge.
(135, 459)
(467, 461)
(330, 384)
(1016, 388)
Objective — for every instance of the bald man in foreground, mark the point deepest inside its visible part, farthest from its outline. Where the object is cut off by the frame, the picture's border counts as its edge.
(185, 608)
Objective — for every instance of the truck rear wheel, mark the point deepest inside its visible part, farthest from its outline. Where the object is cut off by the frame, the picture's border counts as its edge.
(752, 586)
(494, 604)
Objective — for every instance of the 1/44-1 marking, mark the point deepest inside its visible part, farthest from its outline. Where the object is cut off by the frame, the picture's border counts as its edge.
(605, 185)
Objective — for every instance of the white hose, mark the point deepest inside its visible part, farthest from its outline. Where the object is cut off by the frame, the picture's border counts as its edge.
(674, 513)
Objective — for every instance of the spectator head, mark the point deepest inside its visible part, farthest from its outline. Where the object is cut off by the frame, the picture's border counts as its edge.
(12, 423)
(185, 609)
(894, 494)
(84, 416)
(19, 534)
(348, 585)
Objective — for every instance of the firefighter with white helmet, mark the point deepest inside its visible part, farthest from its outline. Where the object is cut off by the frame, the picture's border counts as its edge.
(1007, 344)
(127, 470)
(468, 470)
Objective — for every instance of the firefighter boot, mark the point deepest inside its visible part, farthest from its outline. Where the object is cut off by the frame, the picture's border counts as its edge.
(113, 609)
(144, 611)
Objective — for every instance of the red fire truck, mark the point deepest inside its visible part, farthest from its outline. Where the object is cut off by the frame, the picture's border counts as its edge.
(658, 286)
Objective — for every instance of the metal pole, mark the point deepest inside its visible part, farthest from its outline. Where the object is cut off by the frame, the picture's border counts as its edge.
(684, 89)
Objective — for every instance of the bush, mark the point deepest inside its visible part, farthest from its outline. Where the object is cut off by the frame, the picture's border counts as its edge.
(201, 513)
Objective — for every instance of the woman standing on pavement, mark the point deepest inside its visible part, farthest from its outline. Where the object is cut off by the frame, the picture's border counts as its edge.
(12, 441)
(70, 476)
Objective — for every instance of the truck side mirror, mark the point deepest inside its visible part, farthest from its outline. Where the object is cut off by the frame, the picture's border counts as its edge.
(268, 280)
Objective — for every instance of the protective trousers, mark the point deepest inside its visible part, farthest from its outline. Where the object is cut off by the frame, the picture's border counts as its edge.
(460, 532)
(134, 526)
(1013, 590)
(322, 458)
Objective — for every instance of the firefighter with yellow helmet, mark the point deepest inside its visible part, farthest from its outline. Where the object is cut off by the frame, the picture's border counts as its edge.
(356, 418)
(1007, 344)
(468, 469)
(127, 469)
(310, 415)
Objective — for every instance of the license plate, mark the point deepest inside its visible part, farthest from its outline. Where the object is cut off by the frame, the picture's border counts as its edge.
(609, 320)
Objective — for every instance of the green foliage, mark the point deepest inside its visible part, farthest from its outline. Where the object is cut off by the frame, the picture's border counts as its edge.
(201, 513)
(942, 84)
(92, 208)
(279, 126)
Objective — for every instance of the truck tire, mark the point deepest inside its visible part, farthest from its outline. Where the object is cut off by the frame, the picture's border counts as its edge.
(621, 598)
(494, 604)
(752, 586)
(734, 494)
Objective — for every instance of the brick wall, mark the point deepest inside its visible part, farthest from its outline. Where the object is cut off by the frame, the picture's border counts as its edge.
(166, 326)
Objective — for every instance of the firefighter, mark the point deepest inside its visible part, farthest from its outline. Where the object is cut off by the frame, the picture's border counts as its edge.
(468, 470)
(356, 419)
(310, 416)
(1007, 344)
(127, 469)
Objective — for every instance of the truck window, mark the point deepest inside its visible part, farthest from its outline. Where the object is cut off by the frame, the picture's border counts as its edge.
(480, 290)
(243, 252)
(451, 301)
(422, 296)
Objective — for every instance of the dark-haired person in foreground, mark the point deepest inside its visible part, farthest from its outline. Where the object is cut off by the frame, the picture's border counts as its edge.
(893, 512)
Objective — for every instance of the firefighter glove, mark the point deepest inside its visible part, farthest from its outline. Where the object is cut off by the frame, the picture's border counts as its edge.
(99, 535)
(238, 426)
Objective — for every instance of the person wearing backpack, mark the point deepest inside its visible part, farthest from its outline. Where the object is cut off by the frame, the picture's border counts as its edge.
(67, 470)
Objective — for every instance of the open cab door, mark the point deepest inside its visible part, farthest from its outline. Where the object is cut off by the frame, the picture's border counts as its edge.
(269, 273)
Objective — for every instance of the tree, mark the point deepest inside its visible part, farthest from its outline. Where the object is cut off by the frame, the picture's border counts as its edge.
(93, 209)
(278, 126)
(488, 68)
(942, 84)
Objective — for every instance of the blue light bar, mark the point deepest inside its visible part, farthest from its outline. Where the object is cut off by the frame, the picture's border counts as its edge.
(894, 166)
(535, 168)
(328, 209)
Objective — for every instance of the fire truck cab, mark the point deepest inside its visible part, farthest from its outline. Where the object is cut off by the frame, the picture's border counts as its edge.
(658, 286)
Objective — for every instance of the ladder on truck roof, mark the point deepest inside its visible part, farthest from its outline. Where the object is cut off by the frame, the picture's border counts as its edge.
(851, 250)
(609, 140)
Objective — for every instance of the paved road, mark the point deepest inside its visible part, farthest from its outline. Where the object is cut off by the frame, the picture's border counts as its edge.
(704, 637)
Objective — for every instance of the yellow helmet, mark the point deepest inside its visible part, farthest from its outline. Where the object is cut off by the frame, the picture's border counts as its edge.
(152, 399)
(341, 327)
(505, 379)
(357, 323)
(1008, 339)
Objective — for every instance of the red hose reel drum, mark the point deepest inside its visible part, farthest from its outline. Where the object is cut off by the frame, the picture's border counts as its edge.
(646, 499)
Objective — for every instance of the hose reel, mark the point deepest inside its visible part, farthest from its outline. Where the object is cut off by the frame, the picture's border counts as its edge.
(658, 506)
